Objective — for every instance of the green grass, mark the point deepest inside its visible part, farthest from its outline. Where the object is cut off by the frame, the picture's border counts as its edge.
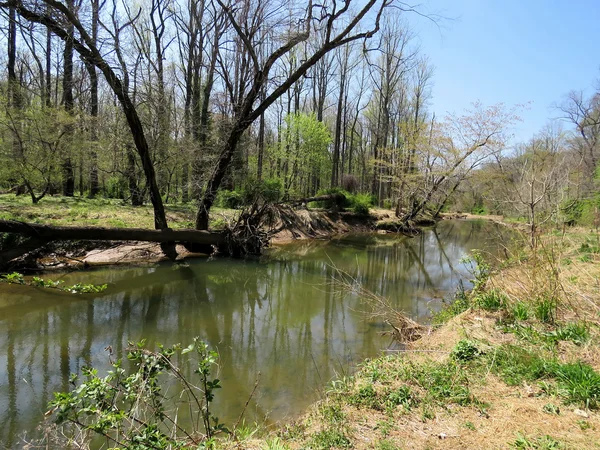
(81, 211)
(328, 438)
(540, 443)
(576, 383)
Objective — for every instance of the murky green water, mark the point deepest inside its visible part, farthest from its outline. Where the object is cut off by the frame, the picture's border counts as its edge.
(283, 316)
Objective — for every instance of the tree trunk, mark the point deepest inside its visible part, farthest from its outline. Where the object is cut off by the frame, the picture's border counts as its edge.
(47, 233)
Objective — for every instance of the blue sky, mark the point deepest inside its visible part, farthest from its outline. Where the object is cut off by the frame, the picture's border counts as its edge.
(512, 52)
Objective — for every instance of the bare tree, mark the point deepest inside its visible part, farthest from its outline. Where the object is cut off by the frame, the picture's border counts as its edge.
(341, 27)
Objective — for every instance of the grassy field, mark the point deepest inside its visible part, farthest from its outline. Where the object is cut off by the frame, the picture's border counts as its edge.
(513, 364)
(81, 211)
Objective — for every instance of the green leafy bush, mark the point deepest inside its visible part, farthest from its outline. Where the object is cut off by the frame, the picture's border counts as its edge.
(128, 406)
(229, 199)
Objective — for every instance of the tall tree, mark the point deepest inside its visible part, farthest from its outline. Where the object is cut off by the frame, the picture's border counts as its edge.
(63, 22)
(341, 27)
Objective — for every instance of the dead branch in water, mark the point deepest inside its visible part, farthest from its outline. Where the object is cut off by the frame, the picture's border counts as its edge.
(404, 329)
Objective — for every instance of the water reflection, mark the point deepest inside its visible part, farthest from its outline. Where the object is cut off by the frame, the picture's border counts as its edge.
(283, 317)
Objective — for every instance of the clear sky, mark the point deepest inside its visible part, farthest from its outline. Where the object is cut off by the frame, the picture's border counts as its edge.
(511, 51)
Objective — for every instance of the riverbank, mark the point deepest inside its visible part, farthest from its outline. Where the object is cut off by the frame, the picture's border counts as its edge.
(513, 364)
(75, 211)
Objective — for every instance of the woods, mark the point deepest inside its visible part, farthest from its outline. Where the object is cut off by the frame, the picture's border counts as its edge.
(197, 101)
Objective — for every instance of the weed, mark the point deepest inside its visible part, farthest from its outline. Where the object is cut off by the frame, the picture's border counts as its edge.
(329, 438)
(341, 386)
(480, 269)
(366, 396)
(515, 365)
(520, 311)
(40, 282)
(551, 408)
(401, 396)
(541, 443)
(584, 425)
(545, 309)
(386, 445)
(469, 426)
(128, 409)
(332, 412)
(586, 258)
(385, 426)
(292, 431)
(577, 332)
(427, 413)
(13, 278)
(579, 383)
(465, 351)
(81, 288)
(492, 300)
(274, 444)
(444, 383)
(244, 432)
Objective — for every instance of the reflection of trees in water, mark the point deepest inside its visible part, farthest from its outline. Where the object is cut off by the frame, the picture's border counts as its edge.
(284, 318)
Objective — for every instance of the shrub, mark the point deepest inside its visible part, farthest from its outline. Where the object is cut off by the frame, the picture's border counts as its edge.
(127, 407)
(465, 351)
(361, 203)
(229, 199)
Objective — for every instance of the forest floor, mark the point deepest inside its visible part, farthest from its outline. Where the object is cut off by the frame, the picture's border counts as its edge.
(513, 364)
(113, 213)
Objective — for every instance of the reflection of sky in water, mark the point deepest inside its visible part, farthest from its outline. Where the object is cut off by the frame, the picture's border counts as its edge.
(283, 317)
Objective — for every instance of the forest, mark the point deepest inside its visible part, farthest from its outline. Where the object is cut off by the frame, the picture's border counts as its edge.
(210, 103)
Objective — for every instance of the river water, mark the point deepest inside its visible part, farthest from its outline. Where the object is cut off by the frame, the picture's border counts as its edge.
(284, 316)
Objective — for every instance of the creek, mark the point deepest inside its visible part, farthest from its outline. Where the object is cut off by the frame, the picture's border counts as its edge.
(283, 315)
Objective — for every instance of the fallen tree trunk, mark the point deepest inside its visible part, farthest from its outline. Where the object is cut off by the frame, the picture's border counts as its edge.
(40, 235)
(55, 233)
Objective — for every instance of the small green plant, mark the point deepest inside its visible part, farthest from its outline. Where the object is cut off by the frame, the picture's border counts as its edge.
(584, 425)
(460, 303)
(469, 426)
(361, 204)
(492, 300)
(545, 309)
(401, 396)
(275, 444)
(551, 408)
(81, 288)
(127, 407)
(40, 282)
(540, 443)
(480, 269)
(385, 426)
(579, 383)
(465, 351)
(328, 438)
(366, 396)
(576, 332)
(332, 412)
(13, 278)
(386, 445)
(520, 311)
